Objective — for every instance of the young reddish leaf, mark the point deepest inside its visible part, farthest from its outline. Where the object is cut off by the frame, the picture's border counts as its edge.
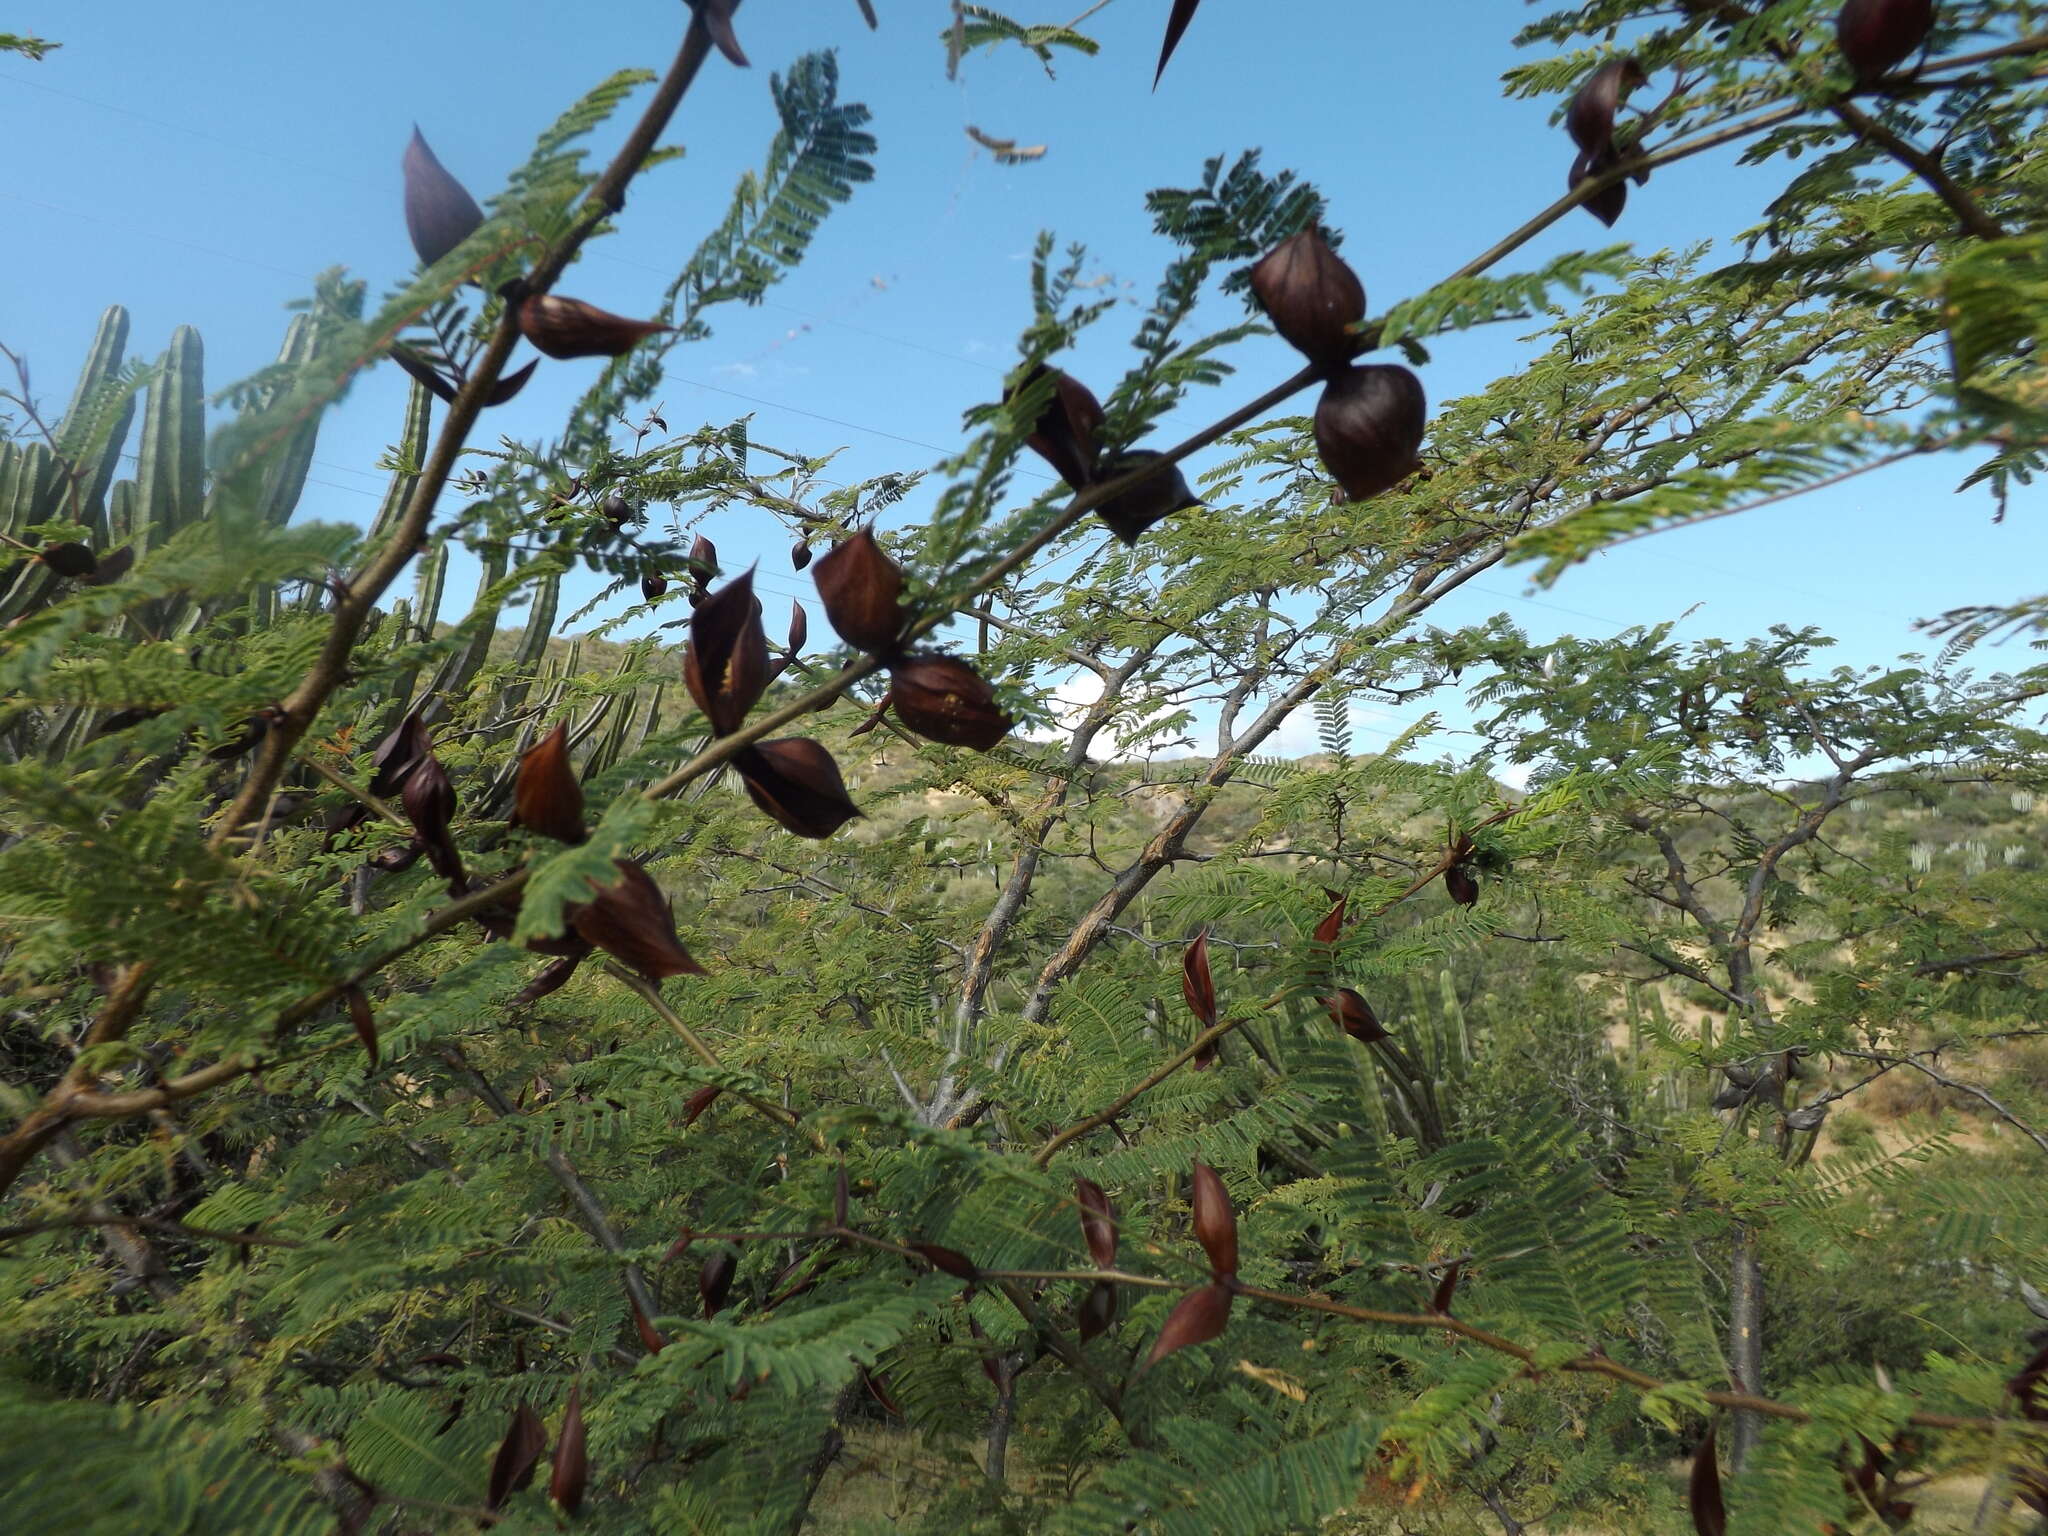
(512, 1468)
(546, 798)
(1199, 1317)
(1354, 1015)
(1312, 297)
(945, 700)
(862, 589)
(1196, 984)
(572, 1460)
(796, 784)
(948, 1260)
(1446, 1287)
(365, 1022)
(632, 923)
(1331, 928)
(654, 1341)
(1097, 1311)
(1703, 1490)
(726, 665)
(1215, 1222)
(439, 212)
(1098, 1222)
(564, 328)
(1369, 425)
(714, 1280)
(1176, 24)
(700, 1101)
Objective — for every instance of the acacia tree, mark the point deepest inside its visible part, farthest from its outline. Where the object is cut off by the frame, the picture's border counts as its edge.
(384, 1183)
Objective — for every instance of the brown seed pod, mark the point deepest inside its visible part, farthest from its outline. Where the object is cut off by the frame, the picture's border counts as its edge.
(69, 560)
(564, 328)
(1098, 1222)
(1607, 204)
(1198, 1317)
(796, 784)
(714, 1280)
(1877, 36)
(1590, 117)
(800, 555)
(1703, 1490)
(1196, 983)
(546, 798)
(1353, 1014)
(947, 1260)
(652, 586)
(439, 212)
(518, 1453)
(552, 978)
(1065, 433)
(631, 922)
(1312, 297)
(700, 1101)
(1215, 1222)
(365, 1022)
(726, 663)
(572, 1457)
(429, 802)
(945, 700)
(1097, 1311)
(1152, 500)
(862, 589)
(1331, 928)
(1462, 885)
(716, 16)
(1369, 427)
(112, 567)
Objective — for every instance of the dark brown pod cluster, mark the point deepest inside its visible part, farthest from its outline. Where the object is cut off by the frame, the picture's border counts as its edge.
(565, 328)
(1312, 297)
(546, 798)
(1064, 434)
(1370, 423)
(634, 924)
(439, 212)
(1590, 121)
(1877, 36)
(1156, 497)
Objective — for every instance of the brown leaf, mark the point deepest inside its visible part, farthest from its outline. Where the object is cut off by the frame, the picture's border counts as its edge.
(1064, 434)
(546, 798)
(796, 783)
(1703, 1490)
(726, 664)
(1312, 297)
(948, 1260)
(862, 589)
(565, 328)
(572, 1460)
(1097, 1311)
(364, 1021)
(1196, 984)
(1196, 1319)
(1215, 1222)
(439, 212)
(631, 922)
(512, 1468)
(1876, 36)
(945, 700)
(1370, 423)
(1354, 1015)
(714, 1280)
(654, 1341)
(1098, 1222)
(1152, 500)
(1176, 24)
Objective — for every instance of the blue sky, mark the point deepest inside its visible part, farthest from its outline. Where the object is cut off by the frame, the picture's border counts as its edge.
(202, 174)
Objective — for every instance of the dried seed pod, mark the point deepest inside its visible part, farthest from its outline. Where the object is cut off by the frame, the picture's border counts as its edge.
(703, 560)
(1446, 1287)
(726, 664)
(1152, 500)
(572, 1458)
(1196, 983)
(1331, 928)
(429, 802)
(511, 384)
(645, 1325)
(800, 555)
(1215, 1222)
(947, 1260)
(1353, 1014)
(545, 795)
(797, 785)
(69, 560)
(631, 921)
(714, 1280)
(945, 700)
(1198, 1317)
(365, 1022)
(1607, 204)
(862, 589)
(716, 16)
(552, 978)
(1312, 297)
(700, 1101)
(616, 510)
(1369, 427)
(799, 630)
(518, 1453)
(439, 212)
(652, 586)
(113, 566)
(1703, 1490)
(1176, 23)
(1097, 1311)
(1098, 1222)
(1065, 433)
(1590, 117)
(564, 328)
(1877, 36)
(1462, 885)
